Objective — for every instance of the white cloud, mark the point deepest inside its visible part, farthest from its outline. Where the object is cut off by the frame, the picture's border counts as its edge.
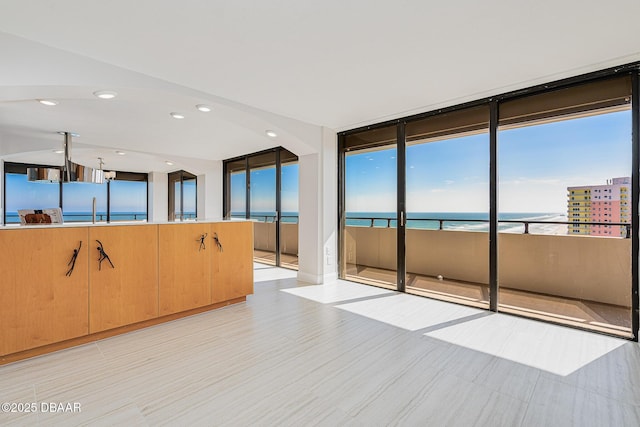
(470, 198)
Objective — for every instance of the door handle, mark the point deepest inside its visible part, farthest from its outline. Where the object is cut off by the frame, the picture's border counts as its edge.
(72, 262)
(218, 243)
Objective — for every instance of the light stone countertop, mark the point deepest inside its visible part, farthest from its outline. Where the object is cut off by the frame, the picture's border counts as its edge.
(112, 224)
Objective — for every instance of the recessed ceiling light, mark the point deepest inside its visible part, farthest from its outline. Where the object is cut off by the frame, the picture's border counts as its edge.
(48, 102)
(105, 94)
(58, 151)
(271, 134)
(120, 153)
(177, 115)
(169, 163)
(203, 108)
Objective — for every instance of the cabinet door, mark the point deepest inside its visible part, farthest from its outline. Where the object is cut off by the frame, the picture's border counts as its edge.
(232, 269)
(127, 292)
(185, 267)
(39, 303)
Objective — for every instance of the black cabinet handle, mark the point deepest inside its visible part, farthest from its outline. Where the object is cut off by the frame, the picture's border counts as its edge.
(217, 240)
(201, 240)
(103, 256)
(72, 262)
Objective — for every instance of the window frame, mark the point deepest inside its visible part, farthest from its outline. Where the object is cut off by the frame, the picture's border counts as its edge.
(599, 78)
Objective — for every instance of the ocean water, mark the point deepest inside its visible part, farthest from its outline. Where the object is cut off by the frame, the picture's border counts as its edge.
(469, 221)
(268, 216)
(13, 218)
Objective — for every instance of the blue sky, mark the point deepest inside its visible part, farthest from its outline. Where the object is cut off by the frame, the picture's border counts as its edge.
(536, 165)
(126, 196)
(263, 190)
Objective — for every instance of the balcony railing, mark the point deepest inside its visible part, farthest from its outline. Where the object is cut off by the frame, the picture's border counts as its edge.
(293, 219)
(593, 274)
(264, 236)
(392, 222)
(272, 218)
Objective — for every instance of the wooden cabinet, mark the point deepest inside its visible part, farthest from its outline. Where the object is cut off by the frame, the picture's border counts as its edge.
(185, 266)
(39, 303)
(128, 292)
(158, 270)
(232, 267)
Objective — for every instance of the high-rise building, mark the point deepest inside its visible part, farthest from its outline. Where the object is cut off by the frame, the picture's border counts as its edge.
(590, 207)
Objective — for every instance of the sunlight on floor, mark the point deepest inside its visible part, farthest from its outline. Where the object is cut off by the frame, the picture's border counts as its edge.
(555, 349)
(336, 292)
(410, 312)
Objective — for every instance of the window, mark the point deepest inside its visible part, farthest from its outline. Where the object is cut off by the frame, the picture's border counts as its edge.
(370, 201)
(548, 127)
(552, 146)
(447, 179)
(20, 193)
(77, 201)
(264, 187)
(126, 196)
(236, 195)
(182, 196)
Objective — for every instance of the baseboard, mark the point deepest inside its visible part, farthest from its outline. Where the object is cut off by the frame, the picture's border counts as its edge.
(317, 279)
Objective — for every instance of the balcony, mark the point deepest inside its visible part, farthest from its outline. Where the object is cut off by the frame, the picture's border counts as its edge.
(579, 280)
(264, 239)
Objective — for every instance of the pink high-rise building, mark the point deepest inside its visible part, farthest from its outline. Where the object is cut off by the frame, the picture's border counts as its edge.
(602, 204)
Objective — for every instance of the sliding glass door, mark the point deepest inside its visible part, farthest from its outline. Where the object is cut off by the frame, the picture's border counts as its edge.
(236, 197)
(182, 196)
(447, 204)
(565, 185)
(525, 203)
(288, 210)
(370, 203)
(263, 187)
(263, 211)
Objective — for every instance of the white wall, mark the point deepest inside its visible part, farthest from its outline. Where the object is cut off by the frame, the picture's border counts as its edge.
(158, 197)
(310, 209)
(318, 212)
(210, 186)
(330, 203)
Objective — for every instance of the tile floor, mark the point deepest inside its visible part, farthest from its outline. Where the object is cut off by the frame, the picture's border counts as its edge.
(332, 355)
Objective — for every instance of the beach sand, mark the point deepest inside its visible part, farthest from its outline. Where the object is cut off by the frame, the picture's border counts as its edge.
(549, 229)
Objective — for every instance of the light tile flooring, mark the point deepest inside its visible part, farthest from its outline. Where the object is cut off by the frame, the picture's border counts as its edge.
(336, 354)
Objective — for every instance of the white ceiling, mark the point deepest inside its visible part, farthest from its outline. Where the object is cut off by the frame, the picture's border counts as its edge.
(287, 65)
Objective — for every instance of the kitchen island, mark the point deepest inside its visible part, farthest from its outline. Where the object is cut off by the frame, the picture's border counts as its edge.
(66, 285)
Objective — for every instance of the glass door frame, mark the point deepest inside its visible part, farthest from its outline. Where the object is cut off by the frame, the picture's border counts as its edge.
(401, 194)
(175, 177)
(226, 191)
